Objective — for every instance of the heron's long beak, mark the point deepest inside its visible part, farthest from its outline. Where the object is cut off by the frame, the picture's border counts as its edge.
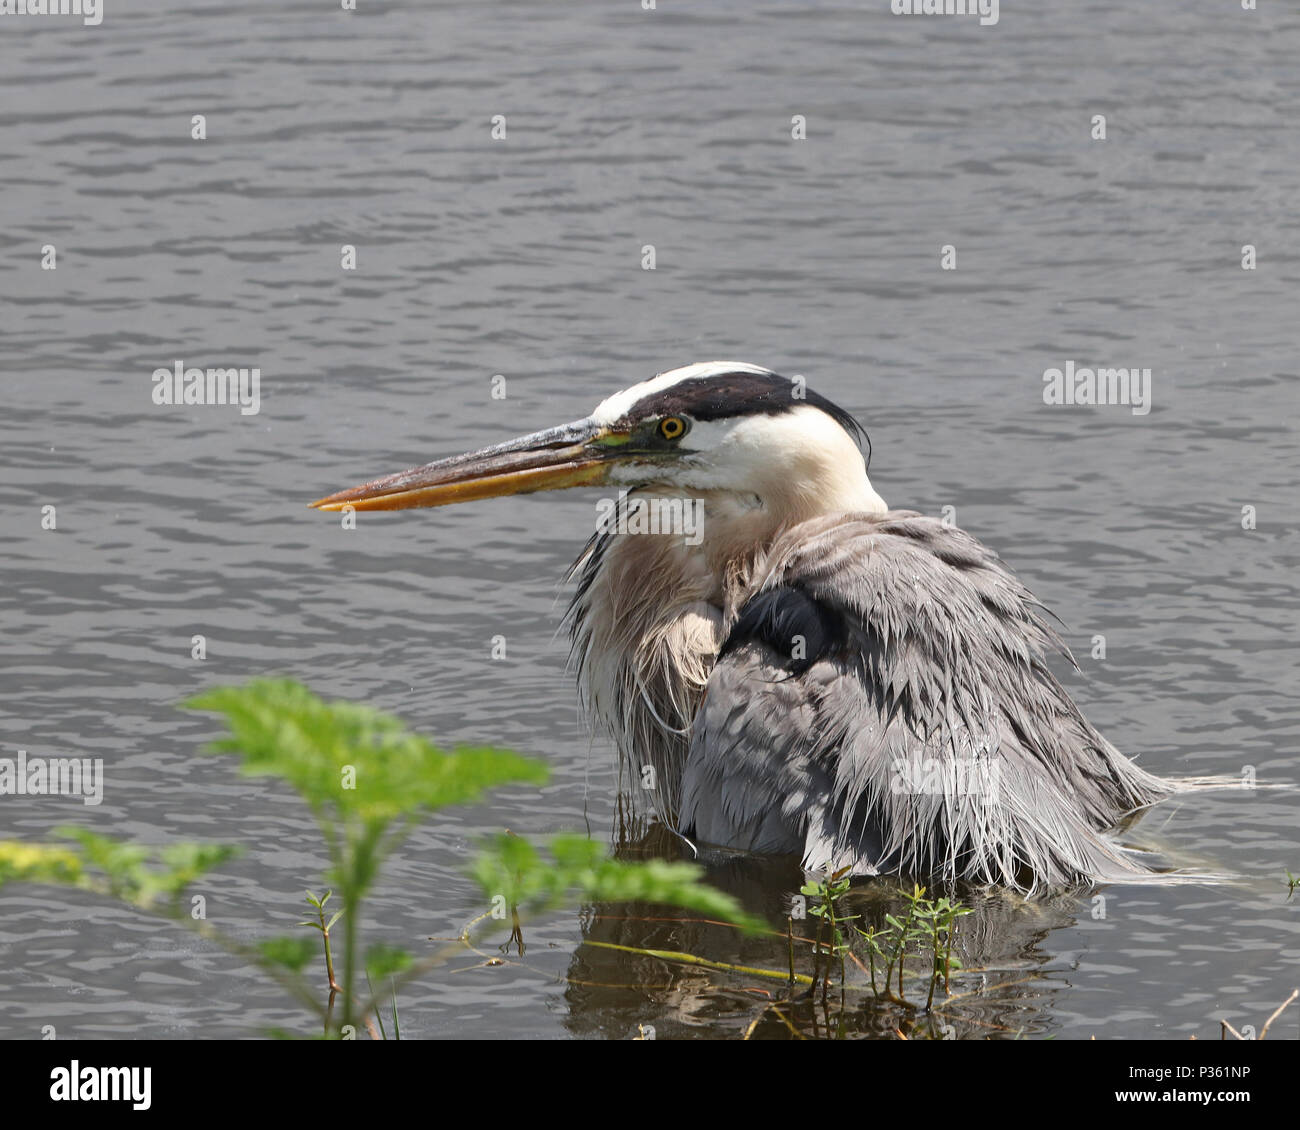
(571, 455)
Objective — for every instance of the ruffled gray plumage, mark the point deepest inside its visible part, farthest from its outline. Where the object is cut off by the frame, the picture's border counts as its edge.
(881, 701)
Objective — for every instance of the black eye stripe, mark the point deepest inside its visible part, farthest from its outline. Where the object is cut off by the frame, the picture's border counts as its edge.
(726, 395)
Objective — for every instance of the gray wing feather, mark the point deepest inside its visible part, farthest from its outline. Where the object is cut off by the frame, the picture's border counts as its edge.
(883, 702)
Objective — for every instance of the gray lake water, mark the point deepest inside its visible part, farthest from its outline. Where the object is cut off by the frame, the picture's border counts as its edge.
(523, 257)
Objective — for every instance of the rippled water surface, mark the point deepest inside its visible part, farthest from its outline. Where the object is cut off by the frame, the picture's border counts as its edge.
(522, 257)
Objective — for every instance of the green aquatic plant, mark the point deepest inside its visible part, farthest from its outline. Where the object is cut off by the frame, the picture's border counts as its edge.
(832, 939)
(367, 781)
(324, 928)
(379, 1016)
(934, 923)
(927, 926)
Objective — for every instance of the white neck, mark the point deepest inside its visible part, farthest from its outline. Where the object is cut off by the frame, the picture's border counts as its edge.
(760, 475)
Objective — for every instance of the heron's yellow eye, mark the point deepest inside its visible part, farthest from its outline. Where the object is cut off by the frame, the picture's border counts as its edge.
(672, 427)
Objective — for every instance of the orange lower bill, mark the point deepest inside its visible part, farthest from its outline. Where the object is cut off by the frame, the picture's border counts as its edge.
(410, 489)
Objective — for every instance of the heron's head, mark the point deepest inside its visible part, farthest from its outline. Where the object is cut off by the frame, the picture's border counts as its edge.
(714, 427)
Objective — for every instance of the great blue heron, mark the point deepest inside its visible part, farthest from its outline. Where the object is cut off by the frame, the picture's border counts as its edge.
(807, 671)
